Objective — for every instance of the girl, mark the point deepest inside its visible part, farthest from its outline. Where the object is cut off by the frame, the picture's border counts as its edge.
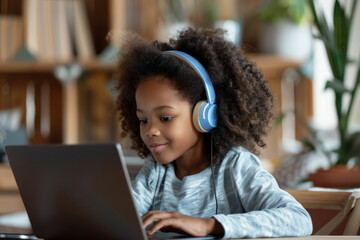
(202, 178)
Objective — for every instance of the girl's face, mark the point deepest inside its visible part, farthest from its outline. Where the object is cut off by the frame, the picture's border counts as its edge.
(166, 122)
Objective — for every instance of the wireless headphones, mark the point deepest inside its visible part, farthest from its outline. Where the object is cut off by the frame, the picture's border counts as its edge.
(205, 116)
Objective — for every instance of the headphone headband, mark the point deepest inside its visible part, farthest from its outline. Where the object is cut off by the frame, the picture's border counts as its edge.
(200, 70)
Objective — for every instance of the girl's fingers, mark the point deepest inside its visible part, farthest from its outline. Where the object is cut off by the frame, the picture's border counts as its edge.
(154, 216)
(149, 215)
(182, 224)
(145, 216)
(170, 223)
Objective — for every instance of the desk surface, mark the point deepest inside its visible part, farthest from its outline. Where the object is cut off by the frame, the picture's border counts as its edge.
(4, 229)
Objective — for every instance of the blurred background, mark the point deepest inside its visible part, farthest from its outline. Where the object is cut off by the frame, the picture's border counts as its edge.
(57, 60)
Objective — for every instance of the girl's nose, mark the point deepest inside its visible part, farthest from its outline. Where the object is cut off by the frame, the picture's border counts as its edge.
(152, 130)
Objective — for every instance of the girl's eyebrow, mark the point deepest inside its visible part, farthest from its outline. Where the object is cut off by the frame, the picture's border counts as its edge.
(156, 109)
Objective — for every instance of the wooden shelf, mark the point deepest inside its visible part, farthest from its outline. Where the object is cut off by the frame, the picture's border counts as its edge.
(44, 67)
(265, 62)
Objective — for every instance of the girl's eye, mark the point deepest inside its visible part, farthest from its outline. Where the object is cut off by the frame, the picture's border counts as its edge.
(143, 121)
(166, 119)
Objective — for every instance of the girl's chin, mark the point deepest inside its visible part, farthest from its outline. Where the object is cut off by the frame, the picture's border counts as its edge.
(162, 160)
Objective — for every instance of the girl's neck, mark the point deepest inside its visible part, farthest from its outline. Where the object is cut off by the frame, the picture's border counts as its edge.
(193, 162)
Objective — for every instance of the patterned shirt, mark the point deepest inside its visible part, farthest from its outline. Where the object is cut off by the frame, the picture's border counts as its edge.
(249, 201)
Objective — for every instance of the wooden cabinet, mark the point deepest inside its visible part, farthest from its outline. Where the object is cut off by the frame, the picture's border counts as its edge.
(57, 34)
(39, 96)
(55, 108)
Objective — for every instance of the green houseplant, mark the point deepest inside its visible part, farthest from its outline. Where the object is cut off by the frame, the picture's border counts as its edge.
(276, 10)
(336, 41)
(285, 28)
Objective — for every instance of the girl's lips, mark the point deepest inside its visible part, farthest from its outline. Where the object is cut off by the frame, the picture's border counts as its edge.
(157, 147)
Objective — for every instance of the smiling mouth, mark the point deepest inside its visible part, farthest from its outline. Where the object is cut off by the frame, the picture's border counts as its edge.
(157, 147)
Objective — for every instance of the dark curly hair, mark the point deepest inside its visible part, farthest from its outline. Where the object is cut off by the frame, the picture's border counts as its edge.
(244, 98)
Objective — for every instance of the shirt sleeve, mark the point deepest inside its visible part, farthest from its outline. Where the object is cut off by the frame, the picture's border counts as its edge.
(143, 187)
(269, 211)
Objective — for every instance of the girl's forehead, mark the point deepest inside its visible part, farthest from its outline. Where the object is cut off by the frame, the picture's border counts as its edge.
(158, 80)
(157, 89)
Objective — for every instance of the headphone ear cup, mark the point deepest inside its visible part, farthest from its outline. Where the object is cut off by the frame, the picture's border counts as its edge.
(196, 116)
(205, 116)
(212, 116)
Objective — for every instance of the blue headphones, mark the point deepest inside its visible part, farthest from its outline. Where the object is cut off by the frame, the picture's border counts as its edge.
(205, 116)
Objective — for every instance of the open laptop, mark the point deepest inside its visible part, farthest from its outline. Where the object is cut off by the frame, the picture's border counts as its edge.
(77, 191)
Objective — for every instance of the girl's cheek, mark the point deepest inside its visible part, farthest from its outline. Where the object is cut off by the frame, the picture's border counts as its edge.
(142, 133)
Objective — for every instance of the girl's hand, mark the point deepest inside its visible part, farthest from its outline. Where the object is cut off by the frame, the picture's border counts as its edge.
(179, 223)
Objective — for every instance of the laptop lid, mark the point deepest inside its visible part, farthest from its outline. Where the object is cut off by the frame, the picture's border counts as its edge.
(76, 191)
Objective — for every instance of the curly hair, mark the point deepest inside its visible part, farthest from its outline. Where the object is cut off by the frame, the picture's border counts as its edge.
(245, 101)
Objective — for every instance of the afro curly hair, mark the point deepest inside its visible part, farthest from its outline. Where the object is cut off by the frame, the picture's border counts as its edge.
(245, 101)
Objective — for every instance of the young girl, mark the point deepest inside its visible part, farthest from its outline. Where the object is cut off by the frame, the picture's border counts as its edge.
(201, 176)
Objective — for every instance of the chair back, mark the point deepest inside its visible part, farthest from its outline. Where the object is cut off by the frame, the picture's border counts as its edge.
(331, 209)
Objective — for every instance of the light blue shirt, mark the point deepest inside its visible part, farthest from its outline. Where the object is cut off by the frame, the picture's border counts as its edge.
(250, 203)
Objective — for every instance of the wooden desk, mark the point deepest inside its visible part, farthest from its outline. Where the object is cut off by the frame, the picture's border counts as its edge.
(27, 231)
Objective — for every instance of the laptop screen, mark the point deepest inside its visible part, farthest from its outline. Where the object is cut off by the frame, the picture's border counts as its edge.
(76, 191)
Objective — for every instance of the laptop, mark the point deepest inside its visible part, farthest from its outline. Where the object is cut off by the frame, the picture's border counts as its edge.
(77, 191)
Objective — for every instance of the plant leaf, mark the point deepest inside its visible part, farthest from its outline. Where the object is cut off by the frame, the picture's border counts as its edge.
(326, 34)
(337, 85)
(329, 45)
(319, 19)
(341, 30)
(341, 34)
